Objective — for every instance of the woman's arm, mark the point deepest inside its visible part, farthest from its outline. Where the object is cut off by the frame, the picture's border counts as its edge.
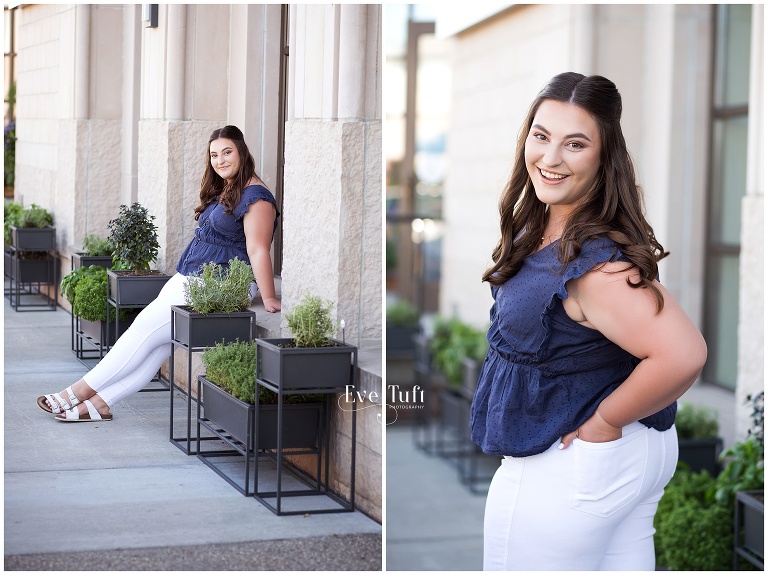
(258, 223)
(671, 349)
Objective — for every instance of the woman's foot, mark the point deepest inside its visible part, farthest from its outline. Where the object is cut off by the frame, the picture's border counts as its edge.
(72, 396)
(94, 409)
(58, 402)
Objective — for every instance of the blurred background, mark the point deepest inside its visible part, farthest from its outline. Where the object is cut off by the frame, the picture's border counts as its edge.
(457, 85)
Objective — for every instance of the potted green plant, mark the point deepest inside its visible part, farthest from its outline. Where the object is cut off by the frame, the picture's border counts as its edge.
(134, 236)
(30, 256)
(698, 439)
(97, 251)
(311, 358)
(31, 230)
(85, 288)
(457, 348)
(229, 400)
(217, 301)
(402, 326)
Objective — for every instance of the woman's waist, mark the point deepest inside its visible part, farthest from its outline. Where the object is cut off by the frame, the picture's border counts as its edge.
(554, 364)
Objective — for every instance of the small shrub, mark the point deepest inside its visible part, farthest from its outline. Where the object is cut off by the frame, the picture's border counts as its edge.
(232, 367)
(90, 302)
(310, 322)
(453, 341)
(94, 245)
(693, 422)
(34, 217)
(403, 313)
(70, 281)
(693, 532)
(11, 217)
(218, 290)
(135, 238)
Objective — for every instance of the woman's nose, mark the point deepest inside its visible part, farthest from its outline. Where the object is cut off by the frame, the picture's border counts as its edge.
(552, 156)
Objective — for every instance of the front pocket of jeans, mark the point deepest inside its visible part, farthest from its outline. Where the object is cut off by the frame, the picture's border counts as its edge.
(608, 476)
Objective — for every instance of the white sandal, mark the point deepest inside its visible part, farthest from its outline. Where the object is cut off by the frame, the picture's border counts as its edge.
(56, 403)
(73, 415)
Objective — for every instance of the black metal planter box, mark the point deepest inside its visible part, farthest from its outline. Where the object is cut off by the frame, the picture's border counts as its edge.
(749, 535)
(128, 289)
(80, 260)
(27, 271)
(33, 239)
(321, 368)
(700, 454)
(301, 422)
(102, 333)
(400, 340)
(196, 330)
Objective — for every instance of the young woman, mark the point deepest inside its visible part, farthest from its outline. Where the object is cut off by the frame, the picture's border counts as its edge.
(588, 351)
(237, 217)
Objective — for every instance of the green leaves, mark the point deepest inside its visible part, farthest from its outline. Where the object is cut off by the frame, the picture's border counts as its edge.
(453, 341)
(134, 236)
(694, 422)
(310, 322)
(232, 367)
(94, 245)
(218, 290)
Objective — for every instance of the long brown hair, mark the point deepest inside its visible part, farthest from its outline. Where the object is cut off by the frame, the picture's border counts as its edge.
(614, 204)
(213, 185)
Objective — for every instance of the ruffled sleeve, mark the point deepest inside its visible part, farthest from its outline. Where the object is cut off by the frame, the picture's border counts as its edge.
(251, 195)
(593, 252)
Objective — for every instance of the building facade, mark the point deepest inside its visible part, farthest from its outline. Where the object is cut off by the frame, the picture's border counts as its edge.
(115, 105)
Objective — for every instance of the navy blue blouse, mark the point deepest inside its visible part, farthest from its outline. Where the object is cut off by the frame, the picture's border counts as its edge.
(219, 236)
(546, 374)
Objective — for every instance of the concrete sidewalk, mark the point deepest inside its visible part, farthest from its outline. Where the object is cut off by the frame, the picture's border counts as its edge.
(119, 496)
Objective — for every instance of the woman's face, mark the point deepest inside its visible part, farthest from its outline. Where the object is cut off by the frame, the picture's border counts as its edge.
(562, 154)
(225, 159)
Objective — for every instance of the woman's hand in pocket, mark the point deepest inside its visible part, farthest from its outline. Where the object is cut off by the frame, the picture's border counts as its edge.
(593, 430)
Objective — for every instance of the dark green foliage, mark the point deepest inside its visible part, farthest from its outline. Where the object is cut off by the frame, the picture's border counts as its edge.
(693, 533)
(218, 290)
(134, 236)
(70, 281)
(94, 245)
(310, 322)
(695, 520)
(35, 217)
(11, 217)
(453, 341)
(232, 367)
(16, 215)
(9, 149)
(693, 422)
(403, 313)
(91, 298)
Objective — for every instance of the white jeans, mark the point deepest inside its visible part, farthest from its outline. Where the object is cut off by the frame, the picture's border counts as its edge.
(588, 507)
(141, 350)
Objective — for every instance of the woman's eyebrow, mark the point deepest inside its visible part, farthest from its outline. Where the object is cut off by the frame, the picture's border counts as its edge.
(575, 135)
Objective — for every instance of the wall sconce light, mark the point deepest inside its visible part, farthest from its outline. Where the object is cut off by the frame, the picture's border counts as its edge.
(150, 15)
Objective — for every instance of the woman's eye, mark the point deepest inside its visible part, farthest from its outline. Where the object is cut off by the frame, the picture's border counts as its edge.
(541, 137)
(574, 145)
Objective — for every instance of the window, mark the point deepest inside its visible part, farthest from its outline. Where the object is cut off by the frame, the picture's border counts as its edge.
(727, 187)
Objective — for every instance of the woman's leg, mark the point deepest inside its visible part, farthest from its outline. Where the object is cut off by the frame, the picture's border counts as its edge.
(128, 365)
(560, 510)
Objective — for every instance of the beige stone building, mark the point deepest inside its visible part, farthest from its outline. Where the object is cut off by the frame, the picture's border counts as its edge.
(115, 105)
(692, 80)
